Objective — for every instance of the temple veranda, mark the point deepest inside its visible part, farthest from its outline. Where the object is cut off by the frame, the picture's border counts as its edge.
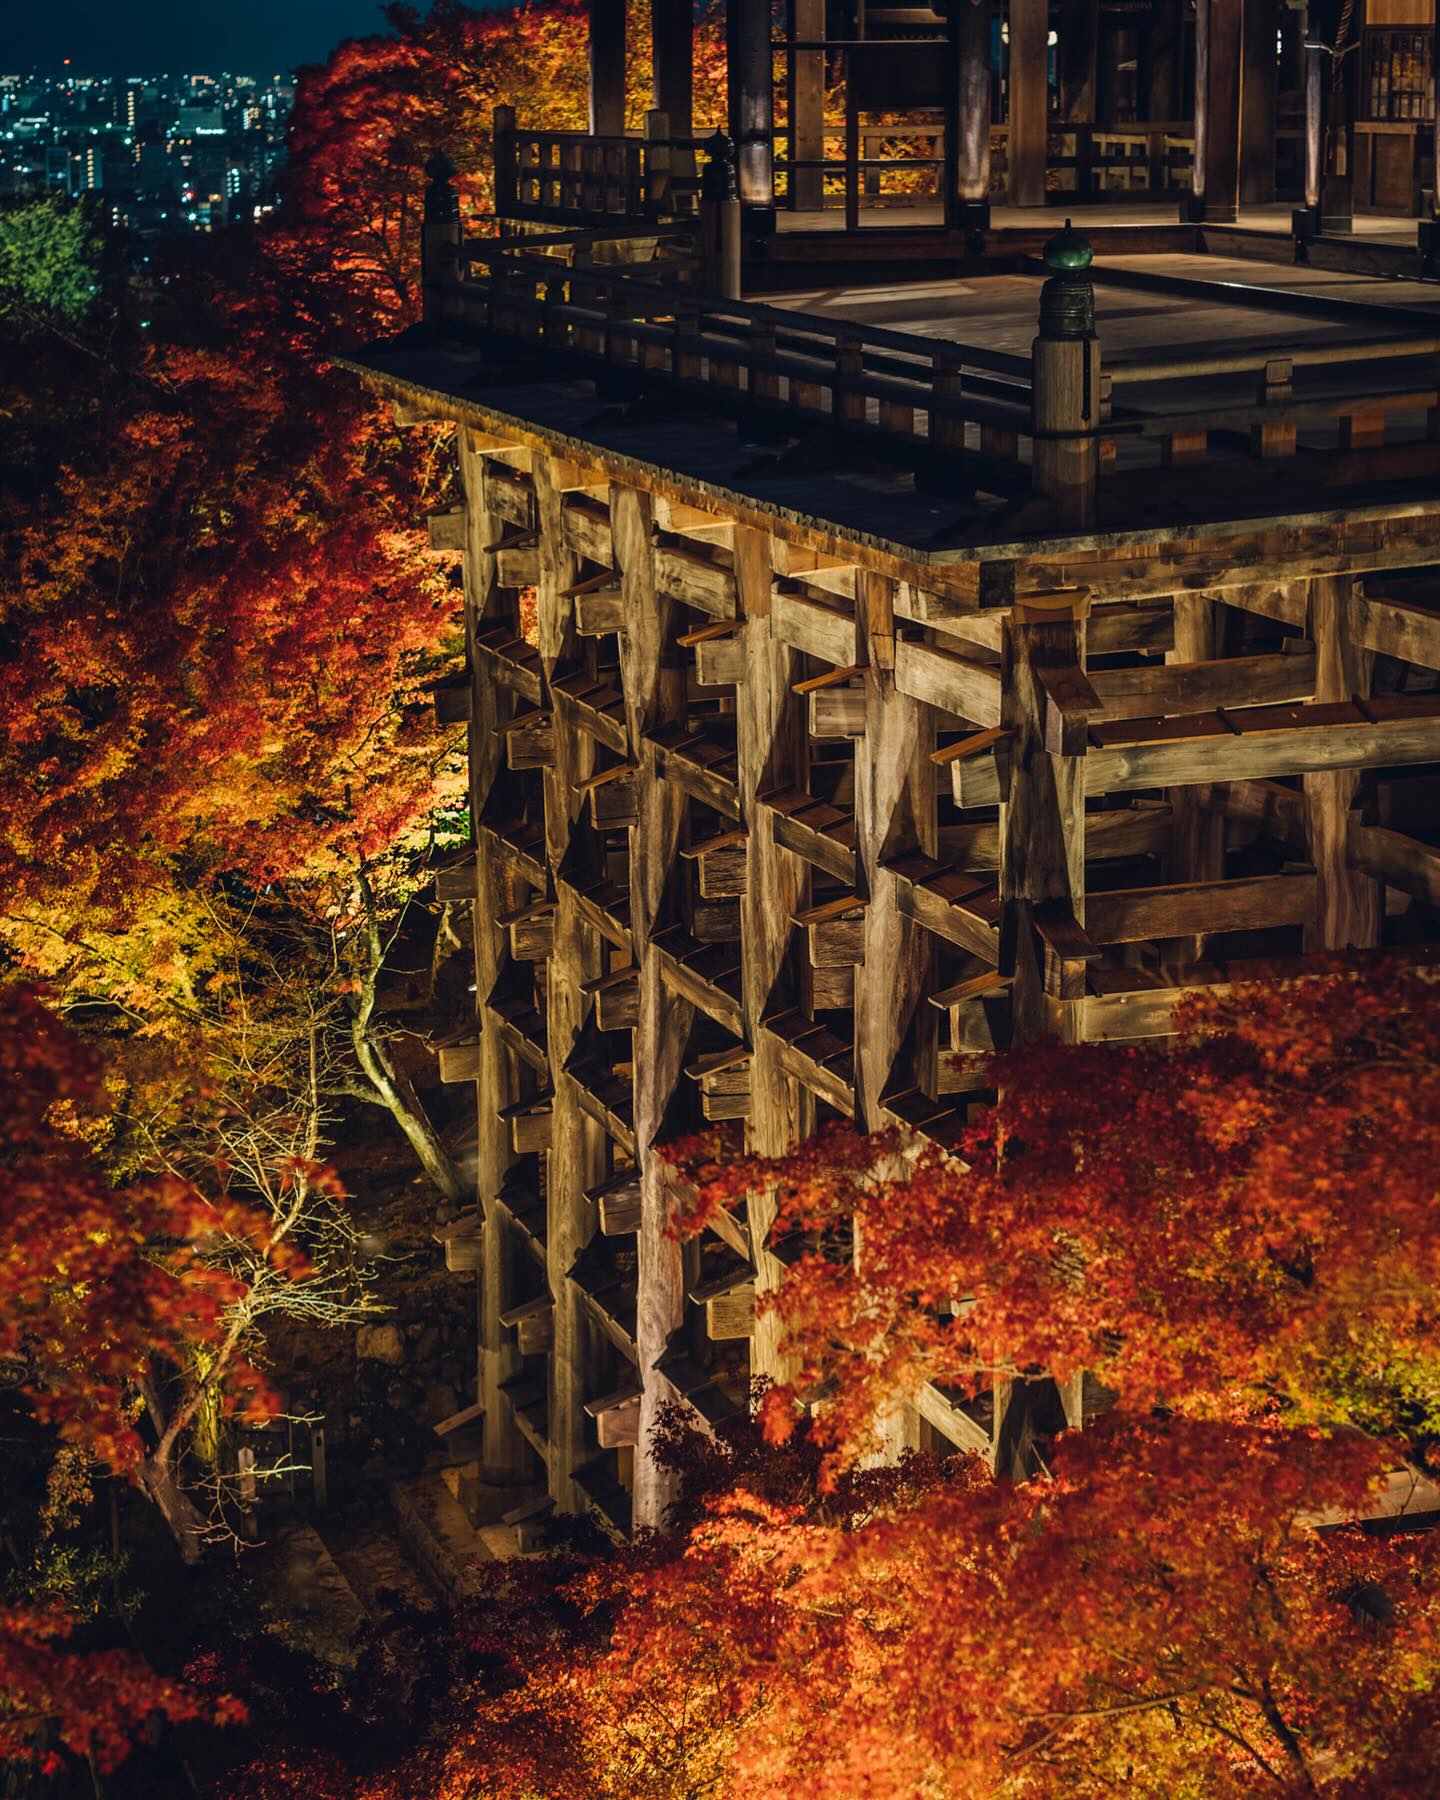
(862, 680)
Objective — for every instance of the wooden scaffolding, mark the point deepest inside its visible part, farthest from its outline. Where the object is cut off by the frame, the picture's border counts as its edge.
(844, 705)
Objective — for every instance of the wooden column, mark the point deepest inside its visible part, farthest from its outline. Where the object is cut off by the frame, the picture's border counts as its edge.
(672, 29)
(1079, 41)
(1161, 62)
(967, 184)
(807, 105)
(1029, 101)
(1348, 904)
(1042, 821)
(1258, 79)
(654, 684)
(575, 1160)
(750, 78)
(769, 740)
(505, 1457)
(607, 67)
(1065, 383)
(1218, 55)
(894, 782)
(1197, 833)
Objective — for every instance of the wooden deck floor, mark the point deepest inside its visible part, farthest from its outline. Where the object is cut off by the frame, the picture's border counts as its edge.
(1273, 220)
(1000, 311)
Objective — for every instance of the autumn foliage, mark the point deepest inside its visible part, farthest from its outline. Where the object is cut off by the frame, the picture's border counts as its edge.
(98, 1285)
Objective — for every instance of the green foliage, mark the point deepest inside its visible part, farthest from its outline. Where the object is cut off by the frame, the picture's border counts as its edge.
(51, 260)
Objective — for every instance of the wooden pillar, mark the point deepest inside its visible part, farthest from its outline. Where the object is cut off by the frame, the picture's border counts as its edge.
(1348, 904)
(1331, 85)
(1197, 833)
(1258, 80)
(505, 1458)
(750, 80)
(575, 1160)
(967, 182)
(1161, 52)
(1029, 101)
(807, 105)
(769, 751)
(672, 32)
(894, 780)
(1428, 229)
(1065, 383)
(1215, 191)
(1079, 42)
(607, 67)
(654, 685)
(1042, 821)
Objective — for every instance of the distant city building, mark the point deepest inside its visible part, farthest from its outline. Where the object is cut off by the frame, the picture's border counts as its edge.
(187, 152)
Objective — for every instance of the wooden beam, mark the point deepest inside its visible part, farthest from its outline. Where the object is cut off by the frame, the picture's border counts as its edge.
(1246, 903)
(1348, 911)
(956, 684)
(695, 580)
(827, 633)
(1158, 690)
(1324, 737)
(1399, 861)
(1396, 627)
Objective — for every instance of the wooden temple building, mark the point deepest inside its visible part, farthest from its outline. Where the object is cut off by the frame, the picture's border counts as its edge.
(865, 677)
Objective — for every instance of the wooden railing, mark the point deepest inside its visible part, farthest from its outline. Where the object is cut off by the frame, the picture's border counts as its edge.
(900, 390)
(574, 177)
(643, 302)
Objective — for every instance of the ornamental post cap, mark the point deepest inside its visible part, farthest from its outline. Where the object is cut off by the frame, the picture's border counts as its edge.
(1068, 252)
(440, 168)
(717, 178)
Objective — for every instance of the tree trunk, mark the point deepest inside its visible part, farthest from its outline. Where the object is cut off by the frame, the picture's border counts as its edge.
(187, 1523)
(394, 1092)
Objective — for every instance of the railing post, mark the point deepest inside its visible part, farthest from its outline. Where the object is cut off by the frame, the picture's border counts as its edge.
(946, 383)
(439, 238)
(655, 202)
(720, 219)
(1065, 383)
(507, 197)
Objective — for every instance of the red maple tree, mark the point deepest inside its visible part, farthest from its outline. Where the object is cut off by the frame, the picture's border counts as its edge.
(98, 1284)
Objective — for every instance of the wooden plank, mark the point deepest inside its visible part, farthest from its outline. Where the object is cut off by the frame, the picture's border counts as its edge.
(1399, 861)
(1395, 627)
(720, 661)
(585, 529)
(1246, 903)
(695, 580)
(1353, 743)
(446, 530)
(1162, 689)
(827, 633)
(1145, 1013)
(956, 684)
(518, 567)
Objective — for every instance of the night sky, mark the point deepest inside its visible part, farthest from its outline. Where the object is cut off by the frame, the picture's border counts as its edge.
(138, 37)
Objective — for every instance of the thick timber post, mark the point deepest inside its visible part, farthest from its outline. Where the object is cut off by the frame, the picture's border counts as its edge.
(894, 784)
(967, 140)
(440, 238)
(607, 67)
(720, 219)
(750, 77)
(654, 683)
(1197, 832)
(1065, 383)
(1347, 903)
(575, 1158)
(806, 129)
(1029, 101)
(505, 1458)
(672, 32)
(1215, 180)
(769, 751)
